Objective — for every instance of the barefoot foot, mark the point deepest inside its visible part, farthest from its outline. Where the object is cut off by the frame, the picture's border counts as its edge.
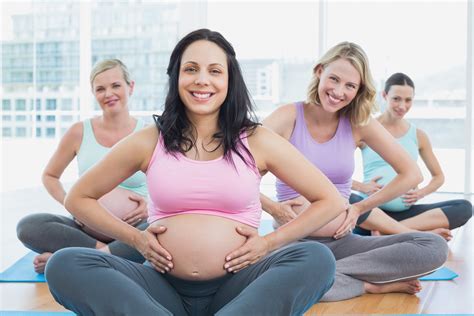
(443, 232)
(40, 261)
(410, 287)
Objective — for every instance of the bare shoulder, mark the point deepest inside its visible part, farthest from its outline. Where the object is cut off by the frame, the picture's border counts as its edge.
(75, 131)
(72, 139)
(265, 144)
(261, 136)
(422, 138)
(282, 120)
(362, 131)
(146, 138)
(420, 134)
(284, 113)
(288, 109)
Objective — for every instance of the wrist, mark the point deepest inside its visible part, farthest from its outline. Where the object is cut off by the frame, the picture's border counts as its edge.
(421, 194)
(271, 242)
(358, 208)
(274, 208)
(136, 238)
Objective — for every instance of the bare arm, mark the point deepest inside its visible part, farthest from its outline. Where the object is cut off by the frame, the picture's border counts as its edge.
(429, 158)
(108, 173)
(272, 153)
(408, 174)
(118, 165)
(368, 188)
(282, 122)
(62, 157)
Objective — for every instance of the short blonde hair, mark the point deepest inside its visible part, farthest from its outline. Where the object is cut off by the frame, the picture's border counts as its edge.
(108, 64)
(360, 109)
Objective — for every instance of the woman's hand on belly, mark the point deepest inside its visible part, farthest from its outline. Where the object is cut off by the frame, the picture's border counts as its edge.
(140, 213)
(255, 248)
(285, 213)
(350, 222)
(150, 248)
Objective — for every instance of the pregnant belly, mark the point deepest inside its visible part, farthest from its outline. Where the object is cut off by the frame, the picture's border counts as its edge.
(388, 174)
(199, 244)
(118, 204)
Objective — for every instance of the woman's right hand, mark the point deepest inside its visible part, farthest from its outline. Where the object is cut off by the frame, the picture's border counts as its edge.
(284, 212)
(372, 186)
(150, 248)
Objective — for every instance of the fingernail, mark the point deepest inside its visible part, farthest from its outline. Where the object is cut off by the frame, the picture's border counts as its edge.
(226, 266)
(170, 265)
(167, 269)
(228, 258)
(230, 269)
(169, 258)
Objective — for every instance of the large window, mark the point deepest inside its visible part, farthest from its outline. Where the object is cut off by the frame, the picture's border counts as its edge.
(409, 37)
(45, 45)
(278, 49)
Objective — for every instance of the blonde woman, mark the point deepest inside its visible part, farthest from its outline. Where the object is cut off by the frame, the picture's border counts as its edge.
(89, 141)
(327, 128)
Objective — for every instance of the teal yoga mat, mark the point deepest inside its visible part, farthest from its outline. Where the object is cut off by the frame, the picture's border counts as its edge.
(443, 274)
(22, 271)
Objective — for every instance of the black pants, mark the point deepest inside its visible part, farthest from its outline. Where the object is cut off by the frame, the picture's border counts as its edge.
(458, 212)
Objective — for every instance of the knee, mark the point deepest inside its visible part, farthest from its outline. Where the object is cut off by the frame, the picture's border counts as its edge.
(463, 214)
(27, 228)
(61, 263)
(438, 249)
(320, 262)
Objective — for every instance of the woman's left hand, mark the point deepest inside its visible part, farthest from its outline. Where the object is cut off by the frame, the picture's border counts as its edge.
(412, 196)
(349, 223)
(140, 213)
(255, 248)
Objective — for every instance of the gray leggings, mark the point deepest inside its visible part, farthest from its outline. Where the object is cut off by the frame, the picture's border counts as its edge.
(286, 282)
(381, 259)
(48, 233)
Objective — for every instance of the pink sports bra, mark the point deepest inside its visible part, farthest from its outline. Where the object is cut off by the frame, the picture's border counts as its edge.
(180, 185)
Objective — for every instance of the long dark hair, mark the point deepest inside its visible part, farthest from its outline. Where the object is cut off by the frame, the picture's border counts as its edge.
(398, 79)
(235, 115)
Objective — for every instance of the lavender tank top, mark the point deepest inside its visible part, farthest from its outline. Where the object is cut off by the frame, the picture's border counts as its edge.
(335, 158)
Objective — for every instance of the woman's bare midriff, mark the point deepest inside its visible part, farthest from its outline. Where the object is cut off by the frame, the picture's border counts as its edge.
(327, 230)
(199, 244)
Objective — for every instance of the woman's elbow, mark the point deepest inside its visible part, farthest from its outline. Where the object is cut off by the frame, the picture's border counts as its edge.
(417, 177)
(338, 203)
(70, 202)
(413, 174)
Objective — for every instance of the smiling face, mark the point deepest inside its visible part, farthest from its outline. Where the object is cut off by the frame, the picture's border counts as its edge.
(112, 91)
(203, 78)
(399, 100)
(338, 85)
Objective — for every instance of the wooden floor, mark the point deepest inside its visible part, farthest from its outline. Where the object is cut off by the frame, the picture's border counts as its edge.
(437, 297)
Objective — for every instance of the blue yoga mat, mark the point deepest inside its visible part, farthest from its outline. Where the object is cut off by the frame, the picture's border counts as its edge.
(443, 274)
(22, 271)
(31, 313)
